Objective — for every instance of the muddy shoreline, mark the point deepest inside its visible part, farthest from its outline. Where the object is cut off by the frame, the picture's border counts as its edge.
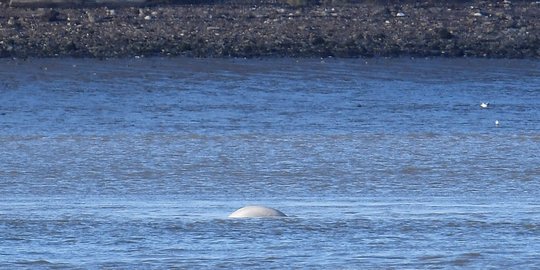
(501, 29)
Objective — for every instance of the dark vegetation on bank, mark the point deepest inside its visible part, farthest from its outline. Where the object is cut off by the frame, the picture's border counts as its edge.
(295, 28)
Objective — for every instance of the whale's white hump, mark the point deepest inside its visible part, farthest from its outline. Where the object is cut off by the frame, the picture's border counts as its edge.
(256, 211)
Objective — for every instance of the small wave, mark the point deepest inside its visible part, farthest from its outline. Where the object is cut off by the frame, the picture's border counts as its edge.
(466, 258)
(35, 262)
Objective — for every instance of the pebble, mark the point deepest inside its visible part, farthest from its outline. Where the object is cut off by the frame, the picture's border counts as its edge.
(359, 30)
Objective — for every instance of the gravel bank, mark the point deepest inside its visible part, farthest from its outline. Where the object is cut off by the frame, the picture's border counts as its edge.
(499, 29)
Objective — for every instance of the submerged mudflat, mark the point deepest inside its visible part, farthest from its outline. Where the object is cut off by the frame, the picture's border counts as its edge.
(481, 28)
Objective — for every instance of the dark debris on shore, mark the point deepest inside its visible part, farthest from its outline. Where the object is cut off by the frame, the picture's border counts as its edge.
(500, 29)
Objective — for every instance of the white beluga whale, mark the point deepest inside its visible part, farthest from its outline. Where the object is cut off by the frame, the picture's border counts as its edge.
(484, 105)
(256, 211)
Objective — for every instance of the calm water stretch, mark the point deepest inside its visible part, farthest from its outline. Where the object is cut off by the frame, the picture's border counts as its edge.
(378, 163)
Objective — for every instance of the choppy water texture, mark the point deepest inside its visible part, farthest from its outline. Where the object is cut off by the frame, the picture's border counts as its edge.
(136, 163)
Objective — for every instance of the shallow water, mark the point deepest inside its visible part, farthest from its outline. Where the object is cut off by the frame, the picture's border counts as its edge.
(379, 163)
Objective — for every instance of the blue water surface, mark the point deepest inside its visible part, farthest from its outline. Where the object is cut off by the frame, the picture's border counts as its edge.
(378, 163)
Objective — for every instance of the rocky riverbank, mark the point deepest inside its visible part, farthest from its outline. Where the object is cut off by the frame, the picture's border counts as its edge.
(479, 29)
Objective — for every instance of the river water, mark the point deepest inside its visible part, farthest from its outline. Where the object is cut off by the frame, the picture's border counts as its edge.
(378, 163)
